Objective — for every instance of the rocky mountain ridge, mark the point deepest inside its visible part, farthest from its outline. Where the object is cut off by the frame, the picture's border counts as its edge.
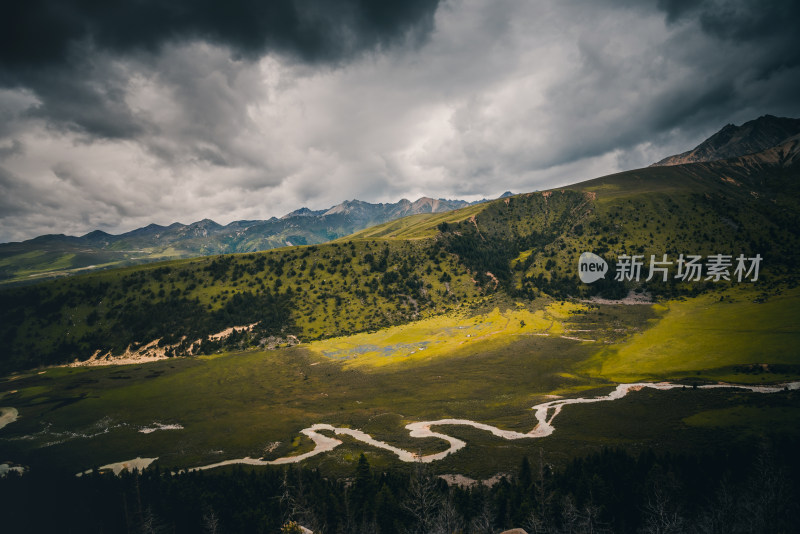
(734, 141)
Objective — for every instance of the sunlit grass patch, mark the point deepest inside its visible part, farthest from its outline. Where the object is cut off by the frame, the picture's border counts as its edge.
(443, 335)
(418, 226)
(524, 255)
(696, 336)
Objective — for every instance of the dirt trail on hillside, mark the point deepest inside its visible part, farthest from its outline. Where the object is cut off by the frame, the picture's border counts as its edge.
(544, 413)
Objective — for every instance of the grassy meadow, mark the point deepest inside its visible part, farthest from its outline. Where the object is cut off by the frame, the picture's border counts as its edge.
(473, 314)
(485, 366)
(711, 337)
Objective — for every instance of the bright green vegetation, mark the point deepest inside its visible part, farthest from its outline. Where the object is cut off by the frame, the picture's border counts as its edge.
(445, 335)
(416, 226)
(709, 337)
(36, 257)
(525, 247)
(309, 291)
(690, 209)
(54, 256)
(30, 266)
(255, 403)
(475, 314)
(243, 402)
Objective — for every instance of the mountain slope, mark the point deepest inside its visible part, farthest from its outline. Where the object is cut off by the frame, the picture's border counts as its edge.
(734, 141)
(525, 246)
(57, 255)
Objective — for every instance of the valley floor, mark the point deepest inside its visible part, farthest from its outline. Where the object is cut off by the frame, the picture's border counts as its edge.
(484, 369)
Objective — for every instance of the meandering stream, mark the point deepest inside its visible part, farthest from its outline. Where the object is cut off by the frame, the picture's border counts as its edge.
(545, 413)
(8, 415)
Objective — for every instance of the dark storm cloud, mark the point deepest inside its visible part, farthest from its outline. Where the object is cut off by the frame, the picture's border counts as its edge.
(773, 24)
(763, 34)
(676, 9)
(770, 23)
(42, 32)
(17, 196)
(14, 148)
(52, 46)
(88, 98)
(742, 20)
(724, 61)
(117, 115)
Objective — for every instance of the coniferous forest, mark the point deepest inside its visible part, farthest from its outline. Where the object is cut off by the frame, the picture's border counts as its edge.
(751, 488)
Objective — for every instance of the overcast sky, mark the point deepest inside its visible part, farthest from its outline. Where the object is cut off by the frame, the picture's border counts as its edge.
(114, 115)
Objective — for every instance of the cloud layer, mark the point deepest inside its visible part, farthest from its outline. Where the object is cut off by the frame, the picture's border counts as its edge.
(116, 117)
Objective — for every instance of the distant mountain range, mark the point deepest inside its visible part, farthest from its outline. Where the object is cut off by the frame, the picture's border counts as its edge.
(57, 254)
(767, 140)
(525, 246)
(735, 141)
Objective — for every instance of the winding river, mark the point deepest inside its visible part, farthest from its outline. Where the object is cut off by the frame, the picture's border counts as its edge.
(545, 413)
(8, 415)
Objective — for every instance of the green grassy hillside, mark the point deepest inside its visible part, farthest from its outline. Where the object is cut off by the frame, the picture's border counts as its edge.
(53, 256)
(711, 337)
(308, 291)
(254, 403)
(423, 225)
(525, 247)
(476, 314)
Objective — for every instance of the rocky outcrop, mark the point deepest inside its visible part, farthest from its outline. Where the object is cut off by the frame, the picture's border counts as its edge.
(734, 141)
